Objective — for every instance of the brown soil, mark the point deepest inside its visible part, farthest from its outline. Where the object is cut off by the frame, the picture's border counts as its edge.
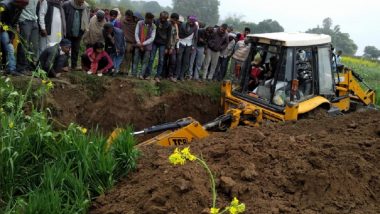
(115, 103)
(329, 165)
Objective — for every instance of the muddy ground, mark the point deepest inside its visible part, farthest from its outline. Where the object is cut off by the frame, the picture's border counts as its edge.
(328, 165)
(106, 103)
(318, 165)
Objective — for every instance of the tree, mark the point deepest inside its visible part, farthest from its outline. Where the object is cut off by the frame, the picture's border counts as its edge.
(206, 10)
(371, 52)
(265, 26)
(153, 7)
(341, 41)
(268, 26)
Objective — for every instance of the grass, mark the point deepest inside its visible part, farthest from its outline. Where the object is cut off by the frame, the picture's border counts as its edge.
(368, 69)
(48, 171)
(94, 84)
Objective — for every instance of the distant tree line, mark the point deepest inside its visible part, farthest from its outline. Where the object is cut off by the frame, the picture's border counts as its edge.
(340, 40)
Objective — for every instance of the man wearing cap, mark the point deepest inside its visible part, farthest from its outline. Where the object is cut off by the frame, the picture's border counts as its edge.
(54, 60)
(9, 17)
(52, 23)
(187, 38)
(95, 31)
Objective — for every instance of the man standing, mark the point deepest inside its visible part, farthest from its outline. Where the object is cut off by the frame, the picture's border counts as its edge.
(52, 23)
(114, 18)
(9, 17)
(187, 38)
(55, 59)
(241, 53)
(144, 34)
(170, 57)
(29, 35)
(217, 42)
(129, 27)
(77, 17)
(225, 56)
(247, 31)
(198, 55)
(114, 45)
(95, 31)
(161, 43)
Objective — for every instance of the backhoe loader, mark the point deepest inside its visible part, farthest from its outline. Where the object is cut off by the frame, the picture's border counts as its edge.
(296, 77)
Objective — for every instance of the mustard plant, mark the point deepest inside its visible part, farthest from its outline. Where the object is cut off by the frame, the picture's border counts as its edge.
(180, 157)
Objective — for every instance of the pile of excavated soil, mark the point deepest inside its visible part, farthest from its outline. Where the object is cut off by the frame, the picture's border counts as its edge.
(329, 165)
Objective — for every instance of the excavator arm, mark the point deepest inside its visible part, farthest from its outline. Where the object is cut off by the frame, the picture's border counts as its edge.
(186, 130)
(351, 88)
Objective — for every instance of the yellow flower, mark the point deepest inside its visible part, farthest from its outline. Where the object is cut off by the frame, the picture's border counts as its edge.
(5, 27)
(187, 155)
(83, 130)
(235, 207)
(2, 9)
(11, 125)
(44, 81)
(235, 202)
(50, 84)
(214, 210)
(176, 158)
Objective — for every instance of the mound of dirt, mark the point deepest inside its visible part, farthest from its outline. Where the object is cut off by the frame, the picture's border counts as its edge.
(329, 165)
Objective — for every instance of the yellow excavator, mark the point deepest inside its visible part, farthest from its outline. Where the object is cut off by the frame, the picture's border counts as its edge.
(297, 75)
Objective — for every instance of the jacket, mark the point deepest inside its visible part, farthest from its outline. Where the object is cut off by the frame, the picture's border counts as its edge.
(163, 32)
(11, 14)
(52, 60)
(69, 16)
(217, 42)
(145, 34)
(117, 43)
(241, 51)
(45, 10)
(95, 58)
(173, 37)
(202, 38)
(129, 28)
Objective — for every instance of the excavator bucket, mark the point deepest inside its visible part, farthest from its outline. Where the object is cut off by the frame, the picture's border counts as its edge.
(181, 136)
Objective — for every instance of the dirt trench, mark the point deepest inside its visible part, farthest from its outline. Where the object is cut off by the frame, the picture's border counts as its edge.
(115, 102)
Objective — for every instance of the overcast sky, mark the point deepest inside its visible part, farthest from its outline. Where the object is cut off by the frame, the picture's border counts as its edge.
(361, 19)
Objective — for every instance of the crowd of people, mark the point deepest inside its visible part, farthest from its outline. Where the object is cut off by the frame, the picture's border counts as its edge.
(52, 31)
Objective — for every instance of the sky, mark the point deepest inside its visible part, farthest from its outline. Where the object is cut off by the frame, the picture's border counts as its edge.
(361, 19)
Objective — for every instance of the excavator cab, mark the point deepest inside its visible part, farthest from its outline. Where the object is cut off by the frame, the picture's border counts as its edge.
(287, 75)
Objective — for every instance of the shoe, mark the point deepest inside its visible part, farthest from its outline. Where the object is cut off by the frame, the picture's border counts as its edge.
(157, 79)
(141, 77)
(173, 79)
(89, 72)
(100, 74)
(147, 78)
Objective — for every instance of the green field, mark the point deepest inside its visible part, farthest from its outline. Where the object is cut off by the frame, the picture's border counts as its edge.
(368, 69)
